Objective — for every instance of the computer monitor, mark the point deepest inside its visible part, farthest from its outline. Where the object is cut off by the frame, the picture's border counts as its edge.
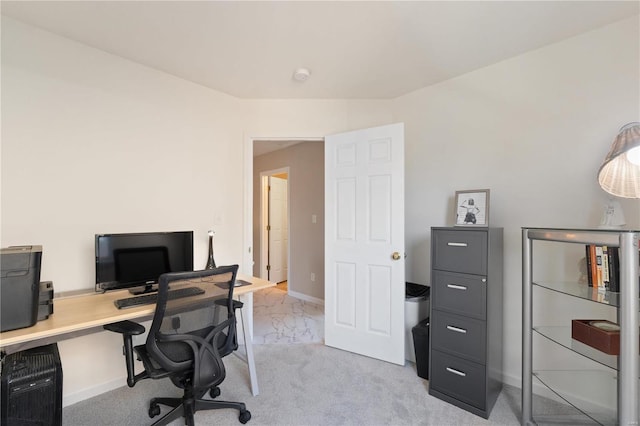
(138, 259)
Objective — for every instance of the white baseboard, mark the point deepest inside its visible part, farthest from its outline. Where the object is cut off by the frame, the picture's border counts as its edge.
(306, 298)
(538, 389)
(512, 380)
(72, 398)
(541, 390)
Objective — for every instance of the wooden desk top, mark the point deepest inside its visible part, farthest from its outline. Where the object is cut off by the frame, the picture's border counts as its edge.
(78, 315)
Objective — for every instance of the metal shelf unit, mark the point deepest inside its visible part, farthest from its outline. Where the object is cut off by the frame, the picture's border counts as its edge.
(627, 302)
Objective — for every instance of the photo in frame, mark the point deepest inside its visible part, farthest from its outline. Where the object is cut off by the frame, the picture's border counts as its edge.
(472, 207)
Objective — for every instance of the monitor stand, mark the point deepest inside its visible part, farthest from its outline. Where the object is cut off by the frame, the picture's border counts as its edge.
(149, 288)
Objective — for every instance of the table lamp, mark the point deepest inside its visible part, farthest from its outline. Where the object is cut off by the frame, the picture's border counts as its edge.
(210, 262)
(619, 174)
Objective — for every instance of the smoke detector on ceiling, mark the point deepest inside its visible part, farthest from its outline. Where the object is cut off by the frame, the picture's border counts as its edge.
(301, 74)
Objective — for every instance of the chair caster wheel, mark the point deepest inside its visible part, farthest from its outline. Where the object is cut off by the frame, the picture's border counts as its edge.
(245, 416)
(154, 410)
(214, 392)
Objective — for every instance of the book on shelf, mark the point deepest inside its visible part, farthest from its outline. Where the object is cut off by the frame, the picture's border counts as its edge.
(598, 280)
(614, 269)
(591, 265)
(603, 267)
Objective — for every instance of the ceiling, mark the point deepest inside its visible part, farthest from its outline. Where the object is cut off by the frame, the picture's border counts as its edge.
(355, 50)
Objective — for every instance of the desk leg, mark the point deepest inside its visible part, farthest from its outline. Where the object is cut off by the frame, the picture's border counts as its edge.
(248, 342)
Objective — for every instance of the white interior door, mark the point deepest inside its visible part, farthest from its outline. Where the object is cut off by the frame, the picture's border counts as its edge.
(278, 229)
(364, 242)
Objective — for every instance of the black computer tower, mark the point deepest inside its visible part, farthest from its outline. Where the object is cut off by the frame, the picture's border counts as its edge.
(32, 387)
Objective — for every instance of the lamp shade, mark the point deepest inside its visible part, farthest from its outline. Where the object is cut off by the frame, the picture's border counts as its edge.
(620, 173)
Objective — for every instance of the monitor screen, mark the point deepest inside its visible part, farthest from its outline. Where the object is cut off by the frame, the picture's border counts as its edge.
(136, 260)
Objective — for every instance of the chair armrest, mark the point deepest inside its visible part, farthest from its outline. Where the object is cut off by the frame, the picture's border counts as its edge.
(236, 304)
(125, 327)
(128, 329)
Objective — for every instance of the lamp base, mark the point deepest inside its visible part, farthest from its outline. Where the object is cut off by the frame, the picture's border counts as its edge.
(210, 262)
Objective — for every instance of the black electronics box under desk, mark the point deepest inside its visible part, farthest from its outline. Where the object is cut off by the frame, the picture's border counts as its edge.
(32, 387)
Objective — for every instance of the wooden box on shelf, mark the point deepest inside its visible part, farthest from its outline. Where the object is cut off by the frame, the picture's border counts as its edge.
(600, 334)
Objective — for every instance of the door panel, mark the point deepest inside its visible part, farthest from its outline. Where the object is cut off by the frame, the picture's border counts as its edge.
(380, 291)
(380, 209)
(345, 279)
(345, 209)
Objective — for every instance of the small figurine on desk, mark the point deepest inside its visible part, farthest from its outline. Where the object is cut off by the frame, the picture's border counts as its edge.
(211, 263)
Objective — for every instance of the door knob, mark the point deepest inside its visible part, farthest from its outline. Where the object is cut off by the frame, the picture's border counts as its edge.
(395, 255)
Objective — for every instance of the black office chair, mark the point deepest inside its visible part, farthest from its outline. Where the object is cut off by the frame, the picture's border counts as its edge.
(191, 359)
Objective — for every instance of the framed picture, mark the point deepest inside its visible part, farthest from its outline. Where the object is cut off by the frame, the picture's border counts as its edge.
(472, 208)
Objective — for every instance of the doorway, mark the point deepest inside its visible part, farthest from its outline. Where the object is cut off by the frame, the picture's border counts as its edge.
(274, 225)
(303, 162)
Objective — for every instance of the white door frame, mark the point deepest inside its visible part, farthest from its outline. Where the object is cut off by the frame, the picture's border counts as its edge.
(264, 208)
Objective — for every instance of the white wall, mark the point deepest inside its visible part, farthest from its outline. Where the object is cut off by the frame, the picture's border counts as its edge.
(534, 129)
(93, 143)
(311, 118)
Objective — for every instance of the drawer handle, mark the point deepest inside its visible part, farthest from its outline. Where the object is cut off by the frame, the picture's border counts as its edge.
(457, 244)
(457, 287)
(456, 372)
(457, 329)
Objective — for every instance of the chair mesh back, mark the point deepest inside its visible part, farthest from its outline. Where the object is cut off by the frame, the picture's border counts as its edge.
(171, 321)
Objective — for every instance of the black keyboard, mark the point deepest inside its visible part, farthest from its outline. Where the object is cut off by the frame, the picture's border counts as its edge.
(151, 298)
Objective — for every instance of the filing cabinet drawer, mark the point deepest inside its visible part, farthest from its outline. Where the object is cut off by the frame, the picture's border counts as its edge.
(458, 378)
(461, 336)
(460, 251)
(462, 294)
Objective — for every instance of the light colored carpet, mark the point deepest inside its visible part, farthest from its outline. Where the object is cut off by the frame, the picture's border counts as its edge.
(303, 382)
(308, 384)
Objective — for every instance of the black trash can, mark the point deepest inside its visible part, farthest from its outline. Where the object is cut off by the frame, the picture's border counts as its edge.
(421, 343)
(416, 290)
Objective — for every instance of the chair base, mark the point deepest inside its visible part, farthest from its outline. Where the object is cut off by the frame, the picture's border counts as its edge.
(186, 407)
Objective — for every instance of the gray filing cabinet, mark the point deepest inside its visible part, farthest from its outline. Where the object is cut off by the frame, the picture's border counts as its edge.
(466, 317)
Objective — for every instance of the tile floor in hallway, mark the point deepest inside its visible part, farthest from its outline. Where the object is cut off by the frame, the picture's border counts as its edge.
(280, 318)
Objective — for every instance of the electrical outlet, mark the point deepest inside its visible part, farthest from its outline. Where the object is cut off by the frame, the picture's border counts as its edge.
(313, 277)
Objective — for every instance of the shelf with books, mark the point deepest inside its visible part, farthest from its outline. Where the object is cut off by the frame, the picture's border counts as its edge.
(620, 372)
